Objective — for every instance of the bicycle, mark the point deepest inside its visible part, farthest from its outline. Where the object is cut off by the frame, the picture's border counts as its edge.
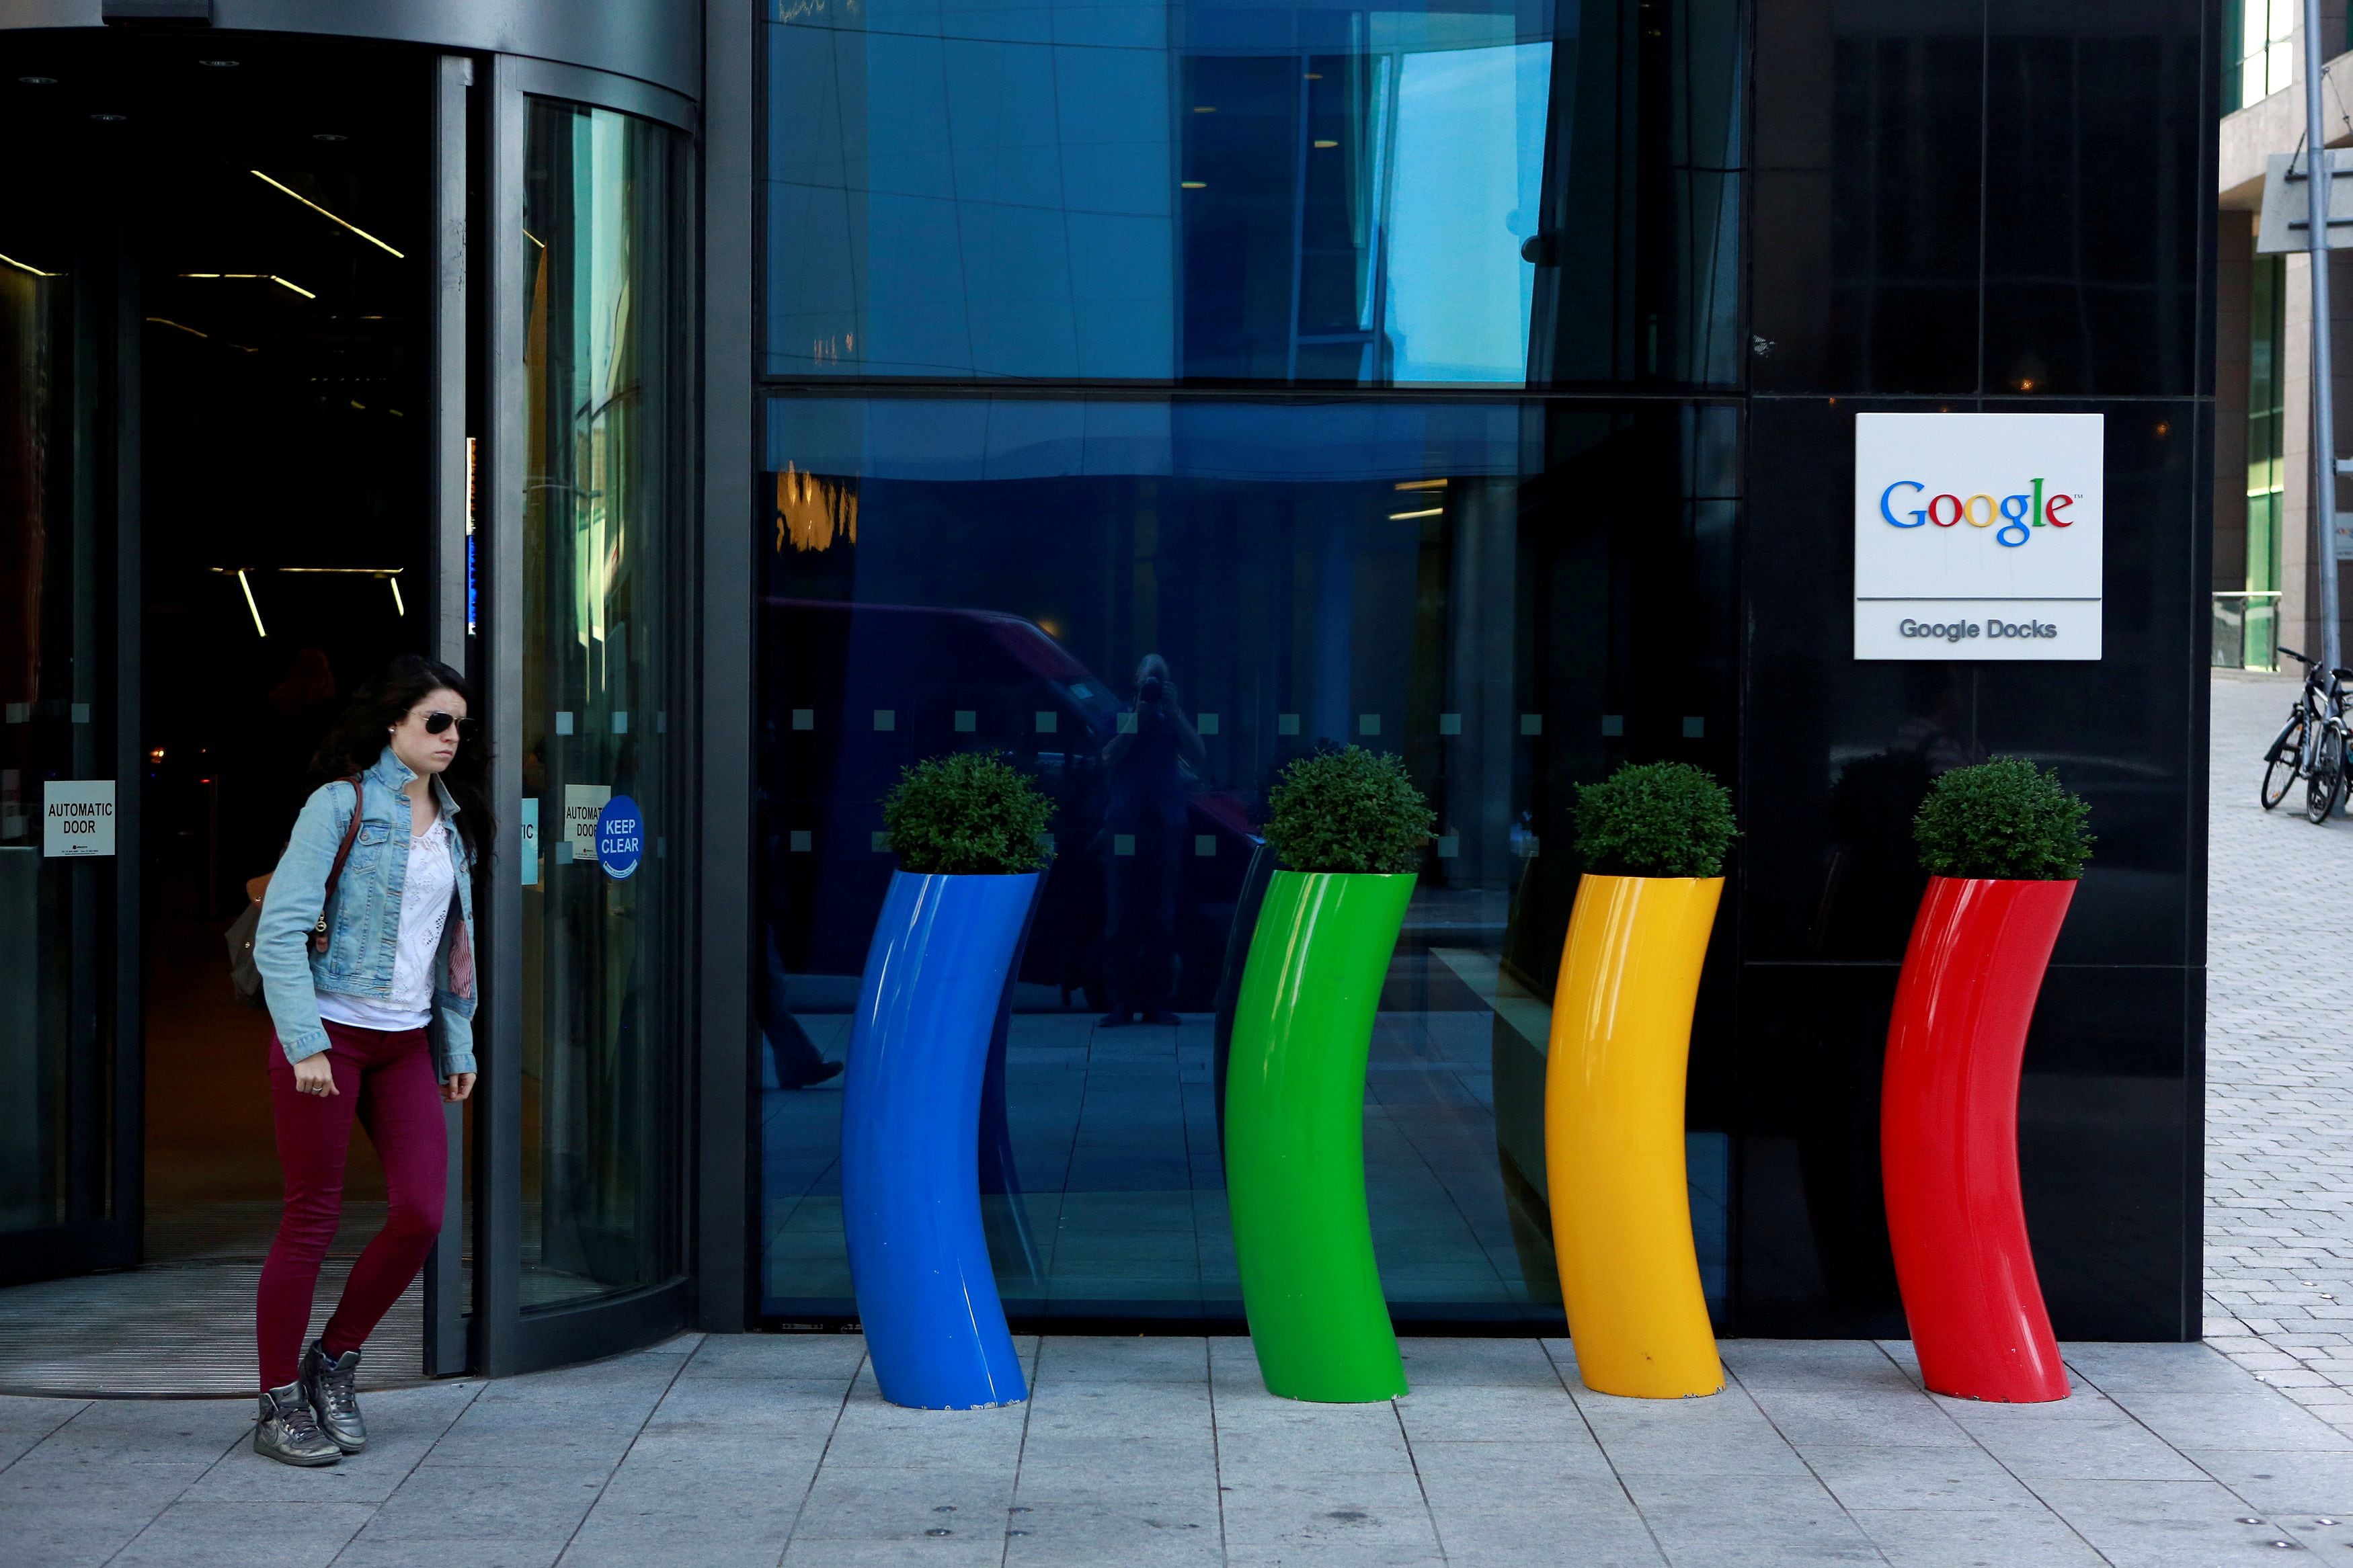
(2312, 745)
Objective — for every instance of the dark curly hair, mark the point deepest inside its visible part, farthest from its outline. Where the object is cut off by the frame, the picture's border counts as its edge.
(357, 740)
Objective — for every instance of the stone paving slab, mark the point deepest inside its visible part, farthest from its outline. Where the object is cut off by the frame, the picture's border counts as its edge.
(2279, 1068)
(772, 1450)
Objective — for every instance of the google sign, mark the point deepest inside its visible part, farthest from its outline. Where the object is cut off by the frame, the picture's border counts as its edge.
(2021, 514)
(1977, 536)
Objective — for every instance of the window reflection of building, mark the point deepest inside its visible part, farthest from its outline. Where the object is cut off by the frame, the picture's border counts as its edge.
(812, 512)
(1453, 582)
(1401, 194)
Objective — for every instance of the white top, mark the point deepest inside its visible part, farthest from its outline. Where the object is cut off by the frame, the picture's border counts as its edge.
(424, 911)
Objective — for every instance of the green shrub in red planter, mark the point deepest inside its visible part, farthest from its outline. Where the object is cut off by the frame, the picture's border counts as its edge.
(2004, 819)
(2003, 843)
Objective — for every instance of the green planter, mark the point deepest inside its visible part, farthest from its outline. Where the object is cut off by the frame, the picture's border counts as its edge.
(1295, 1135)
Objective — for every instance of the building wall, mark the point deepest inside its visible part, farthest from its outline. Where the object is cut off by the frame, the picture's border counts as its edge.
(1995, 206)
(2249, 138)
(2012, 198)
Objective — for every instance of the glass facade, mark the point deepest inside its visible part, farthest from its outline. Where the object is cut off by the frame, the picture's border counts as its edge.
(1193, 230)
(1504, 191)
(2258, 49)
(1461, 583)
(1505, 194)
(2266, 472)
(605, 494)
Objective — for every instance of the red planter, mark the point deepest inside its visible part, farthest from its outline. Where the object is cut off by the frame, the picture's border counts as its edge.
(1948, 1137)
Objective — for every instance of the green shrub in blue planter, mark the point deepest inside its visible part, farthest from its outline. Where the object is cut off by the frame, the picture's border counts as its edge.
(972, 814)
(969, 831)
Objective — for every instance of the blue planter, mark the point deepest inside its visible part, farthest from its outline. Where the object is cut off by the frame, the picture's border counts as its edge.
(944, 948)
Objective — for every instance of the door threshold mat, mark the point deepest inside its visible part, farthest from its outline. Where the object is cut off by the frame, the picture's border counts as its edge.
(180, 1331)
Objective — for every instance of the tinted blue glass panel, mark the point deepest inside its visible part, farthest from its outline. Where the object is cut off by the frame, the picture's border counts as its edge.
(1152, 607)
(1295, 190)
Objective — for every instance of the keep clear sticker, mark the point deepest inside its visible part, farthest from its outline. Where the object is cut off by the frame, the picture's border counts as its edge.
(77, 817)
(620, 838)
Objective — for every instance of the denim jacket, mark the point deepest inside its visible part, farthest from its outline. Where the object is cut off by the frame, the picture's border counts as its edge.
(363, 924)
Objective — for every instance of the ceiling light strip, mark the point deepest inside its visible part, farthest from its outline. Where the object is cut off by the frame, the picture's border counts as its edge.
(257, 278)
(324, 213)
(259, 630)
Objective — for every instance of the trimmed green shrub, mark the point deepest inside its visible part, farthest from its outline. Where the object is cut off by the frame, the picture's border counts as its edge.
(2003, 819)
(970, 814)
(1655, 819)
(1348, 811)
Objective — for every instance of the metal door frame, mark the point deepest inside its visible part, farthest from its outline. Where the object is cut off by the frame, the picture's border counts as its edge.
(450, 530)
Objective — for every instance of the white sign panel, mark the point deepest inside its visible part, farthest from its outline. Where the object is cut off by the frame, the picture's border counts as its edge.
(1978, 535)
(582, 803)
(77, 817)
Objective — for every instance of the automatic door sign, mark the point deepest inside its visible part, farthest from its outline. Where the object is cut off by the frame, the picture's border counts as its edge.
(583, 804)
(77, 817)
(1977, 536)
(620, 838)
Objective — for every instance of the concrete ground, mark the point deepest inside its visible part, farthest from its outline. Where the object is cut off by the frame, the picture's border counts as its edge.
(775, 1450)
(754, 1451)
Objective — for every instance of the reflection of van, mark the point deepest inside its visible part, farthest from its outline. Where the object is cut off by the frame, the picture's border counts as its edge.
(849, 694)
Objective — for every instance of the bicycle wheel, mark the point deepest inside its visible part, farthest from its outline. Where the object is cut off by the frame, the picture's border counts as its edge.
(2327, 780)
(2280, 769)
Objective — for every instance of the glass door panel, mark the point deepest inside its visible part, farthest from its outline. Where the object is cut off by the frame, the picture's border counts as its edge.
(603, 506)
(63, 1204)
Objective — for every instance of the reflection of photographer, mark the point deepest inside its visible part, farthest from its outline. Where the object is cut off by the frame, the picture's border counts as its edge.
(1148, 763)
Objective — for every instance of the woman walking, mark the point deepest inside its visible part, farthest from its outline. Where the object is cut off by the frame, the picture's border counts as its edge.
(365, 952)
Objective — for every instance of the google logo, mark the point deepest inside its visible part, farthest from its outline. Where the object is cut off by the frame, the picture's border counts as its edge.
(2014, 511)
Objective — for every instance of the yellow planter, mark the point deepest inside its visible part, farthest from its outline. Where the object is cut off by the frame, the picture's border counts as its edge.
(1614, 1135)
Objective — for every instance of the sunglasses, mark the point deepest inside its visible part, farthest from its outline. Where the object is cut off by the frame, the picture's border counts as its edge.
(437, 723)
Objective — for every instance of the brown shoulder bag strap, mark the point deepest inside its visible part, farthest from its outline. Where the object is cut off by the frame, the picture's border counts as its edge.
(335, 872)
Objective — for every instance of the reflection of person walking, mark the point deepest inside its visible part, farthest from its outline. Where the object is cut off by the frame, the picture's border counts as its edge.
(797, 1061)
(1143, 814)
(366, 950)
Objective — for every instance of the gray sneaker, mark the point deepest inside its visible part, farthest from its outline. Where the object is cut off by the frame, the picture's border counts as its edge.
(332, 1388)
(289, 1433)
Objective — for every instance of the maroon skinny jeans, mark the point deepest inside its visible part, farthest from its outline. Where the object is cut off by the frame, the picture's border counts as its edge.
(387, 1081)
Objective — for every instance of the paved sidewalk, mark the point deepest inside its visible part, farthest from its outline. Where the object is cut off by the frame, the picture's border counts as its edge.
(757, 1450)
(2279, 1054)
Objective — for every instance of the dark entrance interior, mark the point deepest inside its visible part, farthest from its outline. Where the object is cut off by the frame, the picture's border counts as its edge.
(284, 465)
(269, 208)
